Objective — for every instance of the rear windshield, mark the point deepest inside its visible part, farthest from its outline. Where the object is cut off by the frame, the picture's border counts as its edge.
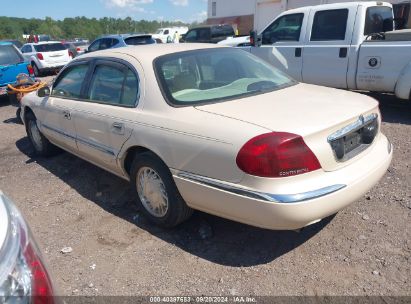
(378, 19)
(213, 75)
(139, 40)
(9, 55)
(52, 47)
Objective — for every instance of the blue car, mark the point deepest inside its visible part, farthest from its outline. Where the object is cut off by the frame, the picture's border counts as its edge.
(116, 41)
(12, 63)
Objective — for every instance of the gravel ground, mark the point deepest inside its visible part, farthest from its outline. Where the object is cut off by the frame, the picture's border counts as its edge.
(363, 250)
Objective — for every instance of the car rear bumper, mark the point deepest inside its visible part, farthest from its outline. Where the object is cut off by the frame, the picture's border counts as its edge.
(281, 211)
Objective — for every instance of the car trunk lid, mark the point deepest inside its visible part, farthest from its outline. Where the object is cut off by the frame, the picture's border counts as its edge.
(313, 112)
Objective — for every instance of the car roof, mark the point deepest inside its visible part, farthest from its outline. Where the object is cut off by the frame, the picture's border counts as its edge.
(43, 42)
(123, 35)
(149, 52)
(5, 43)
(211, 25)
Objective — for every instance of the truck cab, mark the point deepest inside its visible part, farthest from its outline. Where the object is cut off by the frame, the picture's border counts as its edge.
(319, 44)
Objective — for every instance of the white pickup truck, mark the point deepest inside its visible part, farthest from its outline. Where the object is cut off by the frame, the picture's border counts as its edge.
(343, 45)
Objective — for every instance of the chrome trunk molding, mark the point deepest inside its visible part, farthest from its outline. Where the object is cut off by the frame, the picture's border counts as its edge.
(268, 197)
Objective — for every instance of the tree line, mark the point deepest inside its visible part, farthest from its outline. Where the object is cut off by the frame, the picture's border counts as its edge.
(69, 28)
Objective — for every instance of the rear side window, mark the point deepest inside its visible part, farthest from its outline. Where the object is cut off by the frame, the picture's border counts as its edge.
(9, 55)
(52, 47)
(378, 19)
(139, 40)
(329, 25)
(114, 84)
(70, 82)
(222, 31)
(285, 28)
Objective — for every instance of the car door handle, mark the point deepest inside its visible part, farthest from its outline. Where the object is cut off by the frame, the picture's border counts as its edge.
(298, 52)
(118, 128)
(343, 52)
(67, 114)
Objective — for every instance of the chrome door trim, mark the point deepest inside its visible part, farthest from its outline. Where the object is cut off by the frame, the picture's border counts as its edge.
(268, 197)
(96, 146)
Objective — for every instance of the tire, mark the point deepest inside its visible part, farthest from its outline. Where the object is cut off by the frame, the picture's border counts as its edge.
(36, 70)
(41, 145)
(158, 198)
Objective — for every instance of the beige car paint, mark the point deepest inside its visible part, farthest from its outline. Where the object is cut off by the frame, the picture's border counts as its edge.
(205, 141)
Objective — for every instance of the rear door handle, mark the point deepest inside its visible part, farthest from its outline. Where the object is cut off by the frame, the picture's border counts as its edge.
(298, 52)
(118, 128)
(67, 114)
(343, 52)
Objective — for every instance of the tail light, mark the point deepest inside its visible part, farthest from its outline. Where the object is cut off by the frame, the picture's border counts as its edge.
(277, 155)
(30, 70)
(70, 54)
(78, 49)
(23, 277)
(40, 56)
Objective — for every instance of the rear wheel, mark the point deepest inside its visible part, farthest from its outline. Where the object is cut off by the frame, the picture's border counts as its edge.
(157, 194)
(42, 146)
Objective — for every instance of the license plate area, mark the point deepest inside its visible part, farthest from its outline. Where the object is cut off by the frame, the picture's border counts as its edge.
(354, 138)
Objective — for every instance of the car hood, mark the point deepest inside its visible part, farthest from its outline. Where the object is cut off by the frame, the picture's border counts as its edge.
(4, 221)
(302, 109)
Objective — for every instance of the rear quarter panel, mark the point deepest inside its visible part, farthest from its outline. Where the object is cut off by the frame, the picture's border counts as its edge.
(380, 65)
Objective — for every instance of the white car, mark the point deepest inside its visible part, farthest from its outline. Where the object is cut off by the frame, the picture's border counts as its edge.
(195, 126)
(23, 275)
(168, 34)
(46, 56)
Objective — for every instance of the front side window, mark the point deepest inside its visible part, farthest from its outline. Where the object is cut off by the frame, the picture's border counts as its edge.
(329, 25)
(378, 19)
(52, 47)
(9, 55)
(94, 46)
(114, 84)
(69, 84)
(207, 76)
(285, 28)
(191, 36)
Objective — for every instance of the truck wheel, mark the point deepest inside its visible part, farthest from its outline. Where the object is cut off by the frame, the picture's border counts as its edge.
(42, 146)
(157, 194)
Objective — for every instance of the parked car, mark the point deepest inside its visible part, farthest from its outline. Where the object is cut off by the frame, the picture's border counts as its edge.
(12, 64)
(72, 49)
(209, 33)
(117, 41)
(23, 274)
(167, 34)
(195, 126)
(81, 47)
(46, 56)
(343, 45)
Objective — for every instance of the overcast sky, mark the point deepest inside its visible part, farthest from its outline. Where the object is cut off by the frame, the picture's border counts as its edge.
(171, 10)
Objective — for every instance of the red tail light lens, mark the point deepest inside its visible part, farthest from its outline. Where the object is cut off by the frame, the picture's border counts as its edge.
(277, 155)
(40, 56)
(23, 276)
(78, 49)
(30, 70)
(70, 54)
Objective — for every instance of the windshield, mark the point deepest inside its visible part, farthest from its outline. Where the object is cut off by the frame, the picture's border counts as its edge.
(159, 32)
(211, 75)
(52, 47)
(9, 55)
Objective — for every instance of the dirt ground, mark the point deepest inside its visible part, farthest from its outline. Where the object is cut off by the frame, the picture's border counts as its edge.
(363, 250)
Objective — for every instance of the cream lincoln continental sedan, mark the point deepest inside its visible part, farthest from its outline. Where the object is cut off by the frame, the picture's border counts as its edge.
(213, 129)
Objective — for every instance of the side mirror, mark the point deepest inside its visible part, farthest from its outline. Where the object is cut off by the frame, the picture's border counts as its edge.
(43, 92)
(255, 39)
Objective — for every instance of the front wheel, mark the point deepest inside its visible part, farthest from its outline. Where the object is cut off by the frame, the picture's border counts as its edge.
(42, 146)
(157, 194)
